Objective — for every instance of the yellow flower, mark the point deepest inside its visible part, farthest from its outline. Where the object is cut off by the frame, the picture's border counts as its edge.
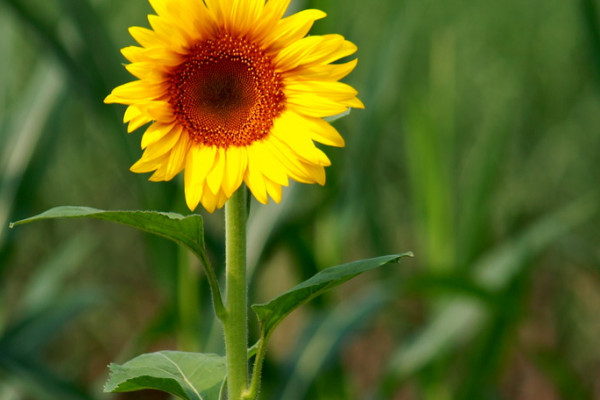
(235, 93)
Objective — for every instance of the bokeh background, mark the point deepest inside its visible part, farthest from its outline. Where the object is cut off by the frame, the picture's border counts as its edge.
(478, 150)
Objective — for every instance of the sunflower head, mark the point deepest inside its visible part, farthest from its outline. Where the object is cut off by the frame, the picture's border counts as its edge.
(234, 93)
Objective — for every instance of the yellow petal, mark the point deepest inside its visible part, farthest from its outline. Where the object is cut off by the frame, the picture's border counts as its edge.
(159, 111)
(237, 162)
(274, 190)
(135, 91)
(137, 122)
(177, 159)
(144, 36)
(330, 44)
(244, 14)
(200, 160)
(291, 56)
(155, 132)
(130, 113)
(221, 199)
(305, 54)
(170, 33)
(322, 131)
(209, 200)
(162, 146)
(215, 176)
(329, 72)
(289, 130)
(193, 178)
(161, 56)
(133, 53)
(332, 90)
(313, 105)
(345, 49)
(317, 173)
(146, 70)
(354, 103)
(288, 158)
(291, 29)
(215, 9)
(147, 165)
(256, 181)
(272, 13)
(269, 166)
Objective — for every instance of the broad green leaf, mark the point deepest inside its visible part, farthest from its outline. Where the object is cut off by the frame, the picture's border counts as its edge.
(185, 230)
(190, 376)
(272, 313)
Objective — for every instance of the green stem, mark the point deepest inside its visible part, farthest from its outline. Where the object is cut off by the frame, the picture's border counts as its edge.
(252, 392)
(236, 322)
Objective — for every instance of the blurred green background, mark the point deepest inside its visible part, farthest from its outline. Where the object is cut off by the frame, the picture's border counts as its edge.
(478, 150)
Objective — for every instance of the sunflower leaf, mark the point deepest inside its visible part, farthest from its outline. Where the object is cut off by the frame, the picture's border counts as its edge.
(190, 376)
(272, 313)
(185, 230)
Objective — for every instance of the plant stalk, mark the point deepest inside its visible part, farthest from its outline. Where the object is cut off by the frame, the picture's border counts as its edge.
(252, 392)
(236, 322)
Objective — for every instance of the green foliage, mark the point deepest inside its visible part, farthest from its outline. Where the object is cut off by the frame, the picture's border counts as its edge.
(187, 231)
(190, 376)
(272, 313)
(479, 130)
(196, 376)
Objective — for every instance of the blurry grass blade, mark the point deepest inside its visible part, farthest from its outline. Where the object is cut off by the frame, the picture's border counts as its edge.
(47, 283)
(501, 265)
(190, 376)
(38, 382)
(22, 133)
(185, 230)
(458, 320)
(29, 335)
(324, 339)
(49, 39)
(101, 57)
(455, 284)
(428, 160)
(272, 313)
(477, 192)
(453, 324)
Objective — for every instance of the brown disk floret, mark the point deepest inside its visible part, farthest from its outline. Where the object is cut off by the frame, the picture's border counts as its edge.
(226, 92)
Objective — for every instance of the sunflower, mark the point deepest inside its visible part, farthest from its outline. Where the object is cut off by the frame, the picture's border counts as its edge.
(234, 93)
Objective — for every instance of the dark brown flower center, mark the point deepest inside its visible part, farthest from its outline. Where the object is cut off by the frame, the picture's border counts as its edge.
(226, 92)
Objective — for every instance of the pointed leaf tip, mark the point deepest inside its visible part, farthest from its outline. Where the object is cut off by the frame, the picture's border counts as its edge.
(272, 313)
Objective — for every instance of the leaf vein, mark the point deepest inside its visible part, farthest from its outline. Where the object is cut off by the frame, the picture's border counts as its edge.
(182, 375)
